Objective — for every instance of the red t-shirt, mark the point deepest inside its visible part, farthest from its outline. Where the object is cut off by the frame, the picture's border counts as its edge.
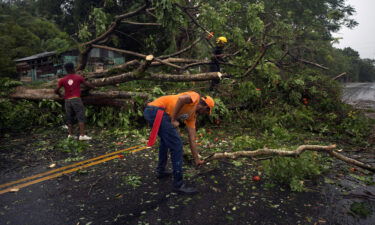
(72, 85)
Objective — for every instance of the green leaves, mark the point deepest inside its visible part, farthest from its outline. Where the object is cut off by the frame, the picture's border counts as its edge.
(254, 22)
(25, 114)
(170, 16)
(132, 180)
(99, 20)
(22, 35)
(247, 142)
(70, 145)
(292, 172)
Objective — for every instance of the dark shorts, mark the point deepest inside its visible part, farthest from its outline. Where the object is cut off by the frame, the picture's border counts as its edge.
(74, 107)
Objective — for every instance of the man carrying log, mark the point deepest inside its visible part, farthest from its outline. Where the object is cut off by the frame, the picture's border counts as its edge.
(73, 103)
(165, 114)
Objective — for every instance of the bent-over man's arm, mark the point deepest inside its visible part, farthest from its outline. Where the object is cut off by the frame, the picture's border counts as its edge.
(181, 101)
(193, 146)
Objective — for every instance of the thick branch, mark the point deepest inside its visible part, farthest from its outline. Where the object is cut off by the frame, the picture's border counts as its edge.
(351, 161)
(87, 46)
(21, 92)
(275, 152)
(182, 50)
(192, 18)
(264, 50)
(115, 79)
(136, 54)
(121, 51)
(338, 76)
(110, 72)
(119, 68)
(115, 23)
(190, 77)
(141, 24)
(308, 62)
(157, 77)
(39, 94)
(118, 94)
(189, 62)
(313, 64)
(142, 68)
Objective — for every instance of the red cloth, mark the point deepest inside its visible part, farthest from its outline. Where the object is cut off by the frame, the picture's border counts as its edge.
(72, 85)
(155, 128)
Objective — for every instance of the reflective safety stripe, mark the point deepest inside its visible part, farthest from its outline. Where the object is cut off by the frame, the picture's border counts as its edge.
(155, 127)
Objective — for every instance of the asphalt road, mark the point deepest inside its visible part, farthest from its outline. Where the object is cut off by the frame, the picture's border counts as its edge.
(361, 95)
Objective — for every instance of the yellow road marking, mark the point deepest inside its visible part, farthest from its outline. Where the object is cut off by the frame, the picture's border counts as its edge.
(66, 167)
(65, 172)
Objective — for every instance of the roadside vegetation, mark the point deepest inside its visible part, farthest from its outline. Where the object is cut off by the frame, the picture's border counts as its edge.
(276, 114)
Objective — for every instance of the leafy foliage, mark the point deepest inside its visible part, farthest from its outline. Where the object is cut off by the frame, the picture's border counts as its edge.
(70, 145)
(23, 34)
(292, 172)
(24, 114)
(132, 180)
(7, 85)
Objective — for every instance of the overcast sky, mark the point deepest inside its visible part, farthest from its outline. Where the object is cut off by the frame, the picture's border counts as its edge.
(362, 37)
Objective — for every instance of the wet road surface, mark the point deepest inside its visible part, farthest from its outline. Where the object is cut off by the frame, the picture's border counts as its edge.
(361, 95)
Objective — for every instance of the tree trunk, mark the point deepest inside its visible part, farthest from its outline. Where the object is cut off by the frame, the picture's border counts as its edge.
(94, 97)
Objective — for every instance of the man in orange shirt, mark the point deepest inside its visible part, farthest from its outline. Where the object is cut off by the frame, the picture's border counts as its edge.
(181, 107)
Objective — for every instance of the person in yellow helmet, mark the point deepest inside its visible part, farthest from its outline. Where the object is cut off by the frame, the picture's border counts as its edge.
(221, 41)
(217, 57)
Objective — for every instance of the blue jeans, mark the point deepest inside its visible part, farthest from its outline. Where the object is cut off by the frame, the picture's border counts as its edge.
(169, 141)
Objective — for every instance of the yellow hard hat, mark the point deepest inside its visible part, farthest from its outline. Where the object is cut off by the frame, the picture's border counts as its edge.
(221, 40)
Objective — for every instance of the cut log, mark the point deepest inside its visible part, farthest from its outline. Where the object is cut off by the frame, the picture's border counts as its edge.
(158, 77)
(21, 92)
(39, 94)
(190, 77)
(119, 94)
(133, 63)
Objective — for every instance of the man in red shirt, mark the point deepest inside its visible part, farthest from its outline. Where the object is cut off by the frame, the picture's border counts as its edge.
(73, 103)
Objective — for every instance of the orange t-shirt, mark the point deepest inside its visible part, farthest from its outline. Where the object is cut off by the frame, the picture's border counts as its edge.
(187, 112)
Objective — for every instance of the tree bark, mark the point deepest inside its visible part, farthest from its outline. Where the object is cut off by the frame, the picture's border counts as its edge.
(338, 76)
(136, 54)
(191, 77)
(122, 67)
(157, 77)
(39, 94)
(22, 92)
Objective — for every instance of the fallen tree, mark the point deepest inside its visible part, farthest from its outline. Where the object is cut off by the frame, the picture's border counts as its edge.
(191, 36)
(22, 92)
(100, 98)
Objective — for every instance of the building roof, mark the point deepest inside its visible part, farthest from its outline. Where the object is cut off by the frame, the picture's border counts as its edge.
(37, 56)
